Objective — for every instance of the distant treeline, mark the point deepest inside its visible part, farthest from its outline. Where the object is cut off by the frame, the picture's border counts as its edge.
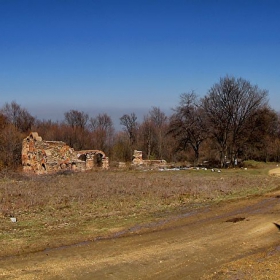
(231, 123)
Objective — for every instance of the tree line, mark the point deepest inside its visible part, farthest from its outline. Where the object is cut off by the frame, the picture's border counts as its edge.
(231, 123)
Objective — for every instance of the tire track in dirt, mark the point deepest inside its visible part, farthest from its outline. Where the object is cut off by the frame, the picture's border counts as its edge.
(186, 247)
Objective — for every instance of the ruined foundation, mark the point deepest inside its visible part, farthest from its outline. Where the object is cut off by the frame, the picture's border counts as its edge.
(139, 161)
(42, 157)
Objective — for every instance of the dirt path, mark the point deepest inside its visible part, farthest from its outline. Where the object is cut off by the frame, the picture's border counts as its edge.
(208, 243)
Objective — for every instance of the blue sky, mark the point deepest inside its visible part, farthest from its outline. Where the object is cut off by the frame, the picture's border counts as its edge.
(126, 56)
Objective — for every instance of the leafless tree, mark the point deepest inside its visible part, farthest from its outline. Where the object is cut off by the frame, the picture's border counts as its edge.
(18, 116)
(10, 146)
(262, 141)
(130, 126)
(188, 124)
(158, 117)
(153, 132)
(103, 131)
(230, 106)
(102, 121)
(75, 129)
(121, 148)
(160, 122)
(147, 136)
(3, 121)
(76, 119)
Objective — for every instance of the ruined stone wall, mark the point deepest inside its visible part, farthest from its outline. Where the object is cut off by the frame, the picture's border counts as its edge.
(42, 157)
(137, 158)
(139, 161)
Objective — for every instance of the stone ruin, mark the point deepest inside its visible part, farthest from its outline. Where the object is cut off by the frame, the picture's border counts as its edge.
(42, 157)
(139, 161)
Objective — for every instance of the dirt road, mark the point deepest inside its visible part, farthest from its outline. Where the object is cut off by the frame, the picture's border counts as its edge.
(212, 242)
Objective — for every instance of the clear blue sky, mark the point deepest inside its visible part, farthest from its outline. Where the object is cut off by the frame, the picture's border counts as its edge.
(126, 56)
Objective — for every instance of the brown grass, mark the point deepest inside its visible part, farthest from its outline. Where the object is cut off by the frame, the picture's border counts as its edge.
(65, 208)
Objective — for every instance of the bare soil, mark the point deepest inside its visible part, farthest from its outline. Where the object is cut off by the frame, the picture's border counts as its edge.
(236, 240)
(134, 225)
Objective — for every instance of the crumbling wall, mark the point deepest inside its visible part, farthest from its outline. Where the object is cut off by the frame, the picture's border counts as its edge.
(137, 158)
(139, 161)
(42, 157)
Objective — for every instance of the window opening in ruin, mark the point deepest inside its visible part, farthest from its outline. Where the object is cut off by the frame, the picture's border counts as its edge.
(44, 166)
(82, 157)
(98, 160)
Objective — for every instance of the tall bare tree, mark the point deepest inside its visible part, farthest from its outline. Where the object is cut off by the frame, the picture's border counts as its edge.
(121, 148)
(18, 116)
(160, 122)
(147, 136)
(15, 123)
(10, 146)
(261, 143)
(103, 131)
(3, 121)
(77, 133)
(76, 118)
(188, 124)
(230, 107)
(153, 133)
(130, 126)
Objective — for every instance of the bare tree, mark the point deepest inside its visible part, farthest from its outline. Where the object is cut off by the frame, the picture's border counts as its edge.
(147, 136)
(230, 106)
(3, 121)
(121, 147)
(188, 125)
(103, 131)
(10, 146)
(130, 126)
(18, 116)
(76, 132)
(102, 121)
(76, 119)
(158, 117)
(153, 133)
(261, 141)
(160, 122)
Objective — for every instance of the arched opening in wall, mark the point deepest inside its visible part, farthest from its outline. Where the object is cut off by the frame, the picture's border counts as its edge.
(73, 166)
(98, 160)
(44, 166)
(82, 157)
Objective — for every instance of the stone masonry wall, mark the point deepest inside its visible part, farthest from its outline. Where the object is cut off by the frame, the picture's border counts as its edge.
(42, 157)
(139, 161)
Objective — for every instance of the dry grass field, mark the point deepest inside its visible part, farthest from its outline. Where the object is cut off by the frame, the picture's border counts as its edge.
(63, 209)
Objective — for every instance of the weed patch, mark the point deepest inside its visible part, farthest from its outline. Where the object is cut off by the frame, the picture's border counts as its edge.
(60, 209)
